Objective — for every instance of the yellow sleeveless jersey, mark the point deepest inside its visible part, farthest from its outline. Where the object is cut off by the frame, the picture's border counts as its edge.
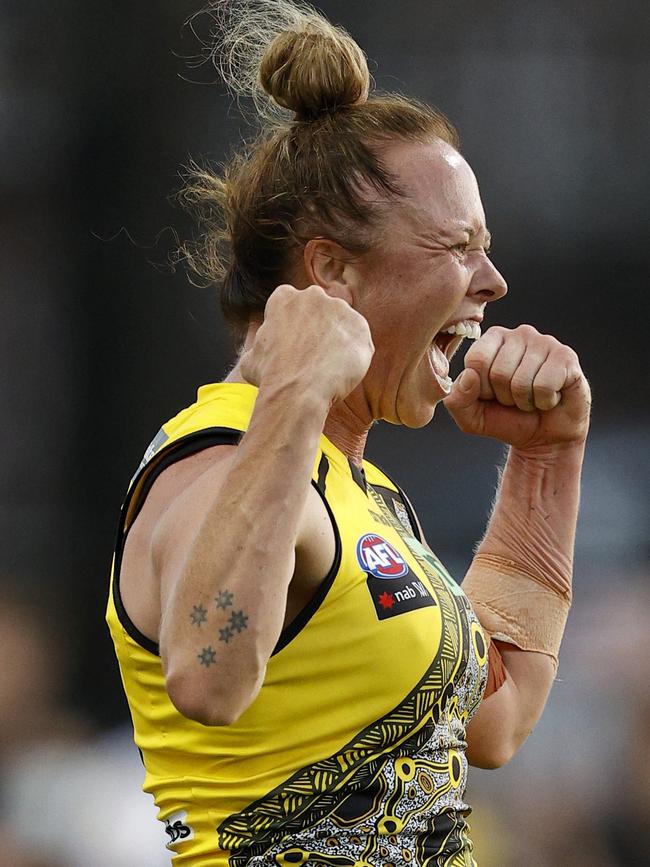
(353, 751)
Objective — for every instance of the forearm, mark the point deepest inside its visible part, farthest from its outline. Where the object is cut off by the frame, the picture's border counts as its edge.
(241, 558)
(520, 578)
(533, 522)
(520, 586)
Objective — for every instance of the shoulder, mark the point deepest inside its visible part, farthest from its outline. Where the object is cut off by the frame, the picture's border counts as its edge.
(177, 495)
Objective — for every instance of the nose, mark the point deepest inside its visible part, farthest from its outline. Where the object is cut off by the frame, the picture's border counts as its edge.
(488, 282)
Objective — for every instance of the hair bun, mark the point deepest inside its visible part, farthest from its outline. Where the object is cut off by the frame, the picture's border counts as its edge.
(312, 71)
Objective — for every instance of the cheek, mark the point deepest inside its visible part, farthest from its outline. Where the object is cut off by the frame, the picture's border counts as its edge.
(449, 287)
(433, 302)
(405, 300)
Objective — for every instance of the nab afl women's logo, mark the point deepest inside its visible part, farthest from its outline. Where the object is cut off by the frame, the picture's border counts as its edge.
(377, 556)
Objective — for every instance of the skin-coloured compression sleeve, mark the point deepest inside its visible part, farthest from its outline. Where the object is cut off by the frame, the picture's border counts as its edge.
(520, 579)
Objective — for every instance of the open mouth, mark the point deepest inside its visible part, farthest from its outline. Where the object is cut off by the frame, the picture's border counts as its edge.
(444, 340)
(445, 344)
(450, 338)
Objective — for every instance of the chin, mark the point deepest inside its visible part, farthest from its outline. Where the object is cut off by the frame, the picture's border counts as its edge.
(415, 416)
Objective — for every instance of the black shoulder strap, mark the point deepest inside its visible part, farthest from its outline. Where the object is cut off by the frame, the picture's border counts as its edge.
(303, 617)
(140, 487)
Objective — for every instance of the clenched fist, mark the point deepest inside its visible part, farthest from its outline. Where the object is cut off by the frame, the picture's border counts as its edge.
(310, 338)
(521, 387)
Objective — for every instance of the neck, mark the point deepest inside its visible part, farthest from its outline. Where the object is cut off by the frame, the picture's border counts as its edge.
(347, 430)
(343, 426)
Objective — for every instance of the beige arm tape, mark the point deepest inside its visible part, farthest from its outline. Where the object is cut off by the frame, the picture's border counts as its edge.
(515, 606)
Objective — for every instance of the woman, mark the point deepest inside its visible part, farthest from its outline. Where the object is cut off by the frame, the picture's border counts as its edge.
(306, 681)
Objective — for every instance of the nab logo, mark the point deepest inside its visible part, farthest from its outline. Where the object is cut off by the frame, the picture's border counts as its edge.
(379, 558)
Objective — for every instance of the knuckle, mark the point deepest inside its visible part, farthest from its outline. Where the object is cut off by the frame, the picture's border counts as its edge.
(545, 397)
(550, 344)
(521, 385)
(312, 294)
(499, 376)
(571, 356)
(527, 330)
(277, 299)
(360, 321)
(477, 356)
(487, 346)
(543, 388)
(545, 402)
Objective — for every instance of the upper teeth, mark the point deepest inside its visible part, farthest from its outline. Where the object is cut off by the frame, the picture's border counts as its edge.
(469, 329)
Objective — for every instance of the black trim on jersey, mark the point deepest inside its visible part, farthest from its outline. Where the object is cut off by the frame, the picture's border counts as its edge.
(175, 451)
(359, 476)
(323, 468)
(305, 614)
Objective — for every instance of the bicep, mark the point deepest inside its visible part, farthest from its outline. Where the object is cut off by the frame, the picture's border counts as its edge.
(186, 496)
(181, 499)
(508, 715)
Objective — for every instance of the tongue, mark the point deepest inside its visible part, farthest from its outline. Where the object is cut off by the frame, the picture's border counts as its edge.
(440, 363)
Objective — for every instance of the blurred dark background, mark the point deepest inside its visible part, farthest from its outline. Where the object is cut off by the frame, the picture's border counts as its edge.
(102, 341)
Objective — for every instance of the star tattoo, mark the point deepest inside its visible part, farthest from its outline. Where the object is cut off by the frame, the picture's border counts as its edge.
(199, 615)
(238, 620)
(224, 599)
(207, 656)
(226, 634)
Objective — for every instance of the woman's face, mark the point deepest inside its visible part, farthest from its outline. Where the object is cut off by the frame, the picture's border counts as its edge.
(429, 271)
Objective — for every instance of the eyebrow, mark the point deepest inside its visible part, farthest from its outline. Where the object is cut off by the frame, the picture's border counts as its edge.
(473, 233)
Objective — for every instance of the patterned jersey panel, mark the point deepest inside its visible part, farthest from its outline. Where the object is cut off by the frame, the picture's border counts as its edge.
(393, 793)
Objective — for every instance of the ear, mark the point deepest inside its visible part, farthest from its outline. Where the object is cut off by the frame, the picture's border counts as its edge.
(330, 266)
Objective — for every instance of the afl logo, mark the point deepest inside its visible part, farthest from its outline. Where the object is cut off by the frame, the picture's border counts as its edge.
(379, 558)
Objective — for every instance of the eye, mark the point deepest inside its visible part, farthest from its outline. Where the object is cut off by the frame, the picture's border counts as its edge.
(460, 248)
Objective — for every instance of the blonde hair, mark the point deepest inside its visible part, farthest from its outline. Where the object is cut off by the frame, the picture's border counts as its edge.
(314, 169)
